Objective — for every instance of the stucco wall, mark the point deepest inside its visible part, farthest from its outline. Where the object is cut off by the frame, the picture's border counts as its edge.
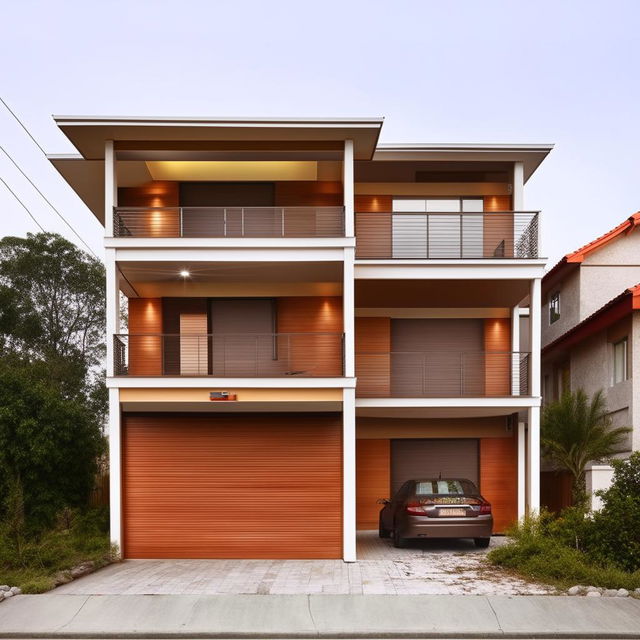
(569, 308)
(606, 273)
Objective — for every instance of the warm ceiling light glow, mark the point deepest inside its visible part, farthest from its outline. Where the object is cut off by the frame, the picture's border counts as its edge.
(184, 273)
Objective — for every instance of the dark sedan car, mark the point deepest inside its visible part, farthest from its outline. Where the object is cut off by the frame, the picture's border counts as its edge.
(437, 508)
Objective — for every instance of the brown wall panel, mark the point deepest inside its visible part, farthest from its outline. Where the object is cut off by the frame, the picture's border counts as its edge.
(497, 230)
(251, 486)
(156, 194)
(373, 235)
(322, 354)
(373, 359)
(145, 351)
(497, 338)
(555, 490)
(321, 193)
(373, 480)
(499, 479)
(373, 204)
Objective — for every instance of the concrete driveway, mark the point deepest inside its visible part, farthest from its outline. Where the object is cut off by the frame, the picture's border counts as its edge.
(453, 567)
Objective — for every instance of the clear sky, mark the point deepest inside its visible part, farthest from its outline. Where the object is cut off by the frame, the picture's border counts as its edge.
(559, 71)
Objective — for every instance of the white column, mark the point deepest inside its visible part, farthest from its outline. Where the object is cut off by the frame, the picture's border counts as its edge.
(112, 304)
(349, 475)
(533, 461)
(110, 187)
(348, 313)
(347, 185)
(515, 351)
(535, 329)
(518, 186)
(115, 471)
(522, 475)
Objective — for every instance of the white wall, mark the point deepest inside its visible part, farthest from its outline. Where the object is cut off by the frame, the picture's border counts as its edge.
(598, 478)
(569, 308)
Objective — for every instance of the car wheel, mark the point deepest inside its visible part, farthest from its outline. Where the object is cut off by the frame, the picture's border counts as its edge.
(382, 532)
(482, 543)
(398, 541)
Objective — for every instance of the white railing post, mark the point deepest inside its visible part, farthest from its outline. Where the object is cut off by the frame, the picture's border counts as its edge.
(348, 189)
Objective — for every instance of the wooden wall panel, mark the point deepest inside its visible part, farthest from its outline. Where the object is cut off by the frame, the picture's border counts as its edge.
(145, 351)
(499, 479)
(230, 486)
(555, 490)
(373, 235)
(373, 358)
(172, 308)
(497, 338)
(321, 193)
(373, 204)
(497, 203)
(373, 480)
(497, 230)
(322, 355)
(156, 194)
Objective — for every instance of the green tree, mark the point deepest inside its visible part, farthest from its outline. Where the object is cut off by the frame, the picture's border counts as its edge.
(53, 299)
(52, 393)
(575, 431)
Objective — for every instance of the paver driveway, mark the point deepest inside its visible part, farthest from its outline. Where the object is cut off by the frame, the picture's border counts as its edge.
(428, 567)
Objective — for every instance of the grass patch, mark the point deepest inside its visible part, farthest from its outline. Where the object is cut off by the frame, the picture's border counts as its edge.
(32, 561)
(540, 550)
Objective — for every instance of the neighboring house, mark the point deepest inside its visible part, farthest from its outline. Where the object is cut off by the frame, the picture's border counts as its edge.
(591, 329)
(313, 319)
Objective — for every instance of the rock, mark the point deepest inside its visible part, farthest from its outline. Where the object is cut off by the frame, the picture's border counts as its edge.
(610, 593)
(82, 569)
(575, 591)
(593, 594)
(16, 591)
(637, 590)
(8, 594)
(622, 593)
(62, 577)
(4, 587)
(592, 589)
(1, 596)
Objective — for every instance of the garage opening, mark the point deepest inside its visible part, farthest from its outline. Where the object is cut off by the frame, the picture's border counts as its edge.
(232, 486)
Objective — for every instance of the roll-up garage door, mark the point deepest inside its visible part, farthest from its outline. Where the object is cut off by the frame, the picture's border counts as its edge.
(232, 486)
(431, 458)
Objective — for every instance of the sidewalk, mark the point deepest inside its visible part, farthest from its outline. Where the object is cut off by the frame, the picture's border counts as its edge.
(318, 616)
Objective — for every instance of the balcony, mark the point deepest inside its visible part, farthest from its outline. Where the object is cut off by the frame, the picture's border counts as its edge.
(229, 222)
(447, 236)
(273, 355)
(442, 374)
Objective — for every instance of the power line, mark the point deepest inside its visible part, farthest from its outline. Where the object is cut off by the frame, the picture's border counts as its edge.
(17, 166)
(33, 184)
(24, 206)
(25, 128)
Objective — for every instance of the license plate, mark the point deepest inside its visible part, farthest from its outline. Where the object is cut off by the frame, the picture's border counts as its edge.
(451, 513)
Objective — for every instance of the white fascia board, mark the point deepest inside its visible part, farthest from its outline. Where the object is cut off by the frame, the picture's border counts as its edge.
(230, 121)
(218, 254)
(229, 243)
(449, 270)
(171, 382)
(501, 402)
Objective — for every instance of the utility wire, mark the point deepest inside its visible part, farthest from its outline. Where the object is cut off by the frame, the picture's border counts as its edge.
(24, 206)
(44, 153)
(15, 164)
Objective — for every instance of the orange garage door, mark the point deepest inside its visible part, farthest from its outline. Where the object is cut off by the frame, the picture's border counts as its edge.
(230, 486)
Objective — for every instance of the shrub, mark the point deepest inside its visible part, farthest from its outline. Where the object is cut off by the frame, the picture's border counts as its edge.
(615, 536)
(556, 550)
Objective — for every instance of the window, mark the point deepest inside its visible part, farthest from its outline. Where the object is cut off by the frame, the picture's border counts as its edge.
(554, 307)
(620, 361)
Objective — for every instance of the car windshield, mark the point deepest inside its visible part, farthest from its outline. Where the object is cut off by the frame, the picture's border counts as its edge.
(445, 488)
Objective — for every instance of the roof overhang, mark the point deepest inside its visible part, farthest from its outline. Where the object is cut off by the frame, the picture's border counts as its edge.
(624, 304)
(530, 155)
(90, 133)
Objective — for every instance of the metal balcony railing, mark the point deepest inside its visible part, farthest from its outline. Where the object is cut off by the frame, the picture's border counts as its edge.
(229, 222)
(431, 236)
(442, 374)
(229, 355)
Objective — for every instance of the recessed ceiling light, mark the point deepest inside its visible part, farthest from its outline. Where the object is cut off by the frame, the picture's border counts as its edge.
(184, 273)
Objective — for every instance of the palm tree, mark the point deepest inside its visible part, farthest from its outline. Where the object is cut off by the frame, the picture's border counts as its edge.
(576, 430)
